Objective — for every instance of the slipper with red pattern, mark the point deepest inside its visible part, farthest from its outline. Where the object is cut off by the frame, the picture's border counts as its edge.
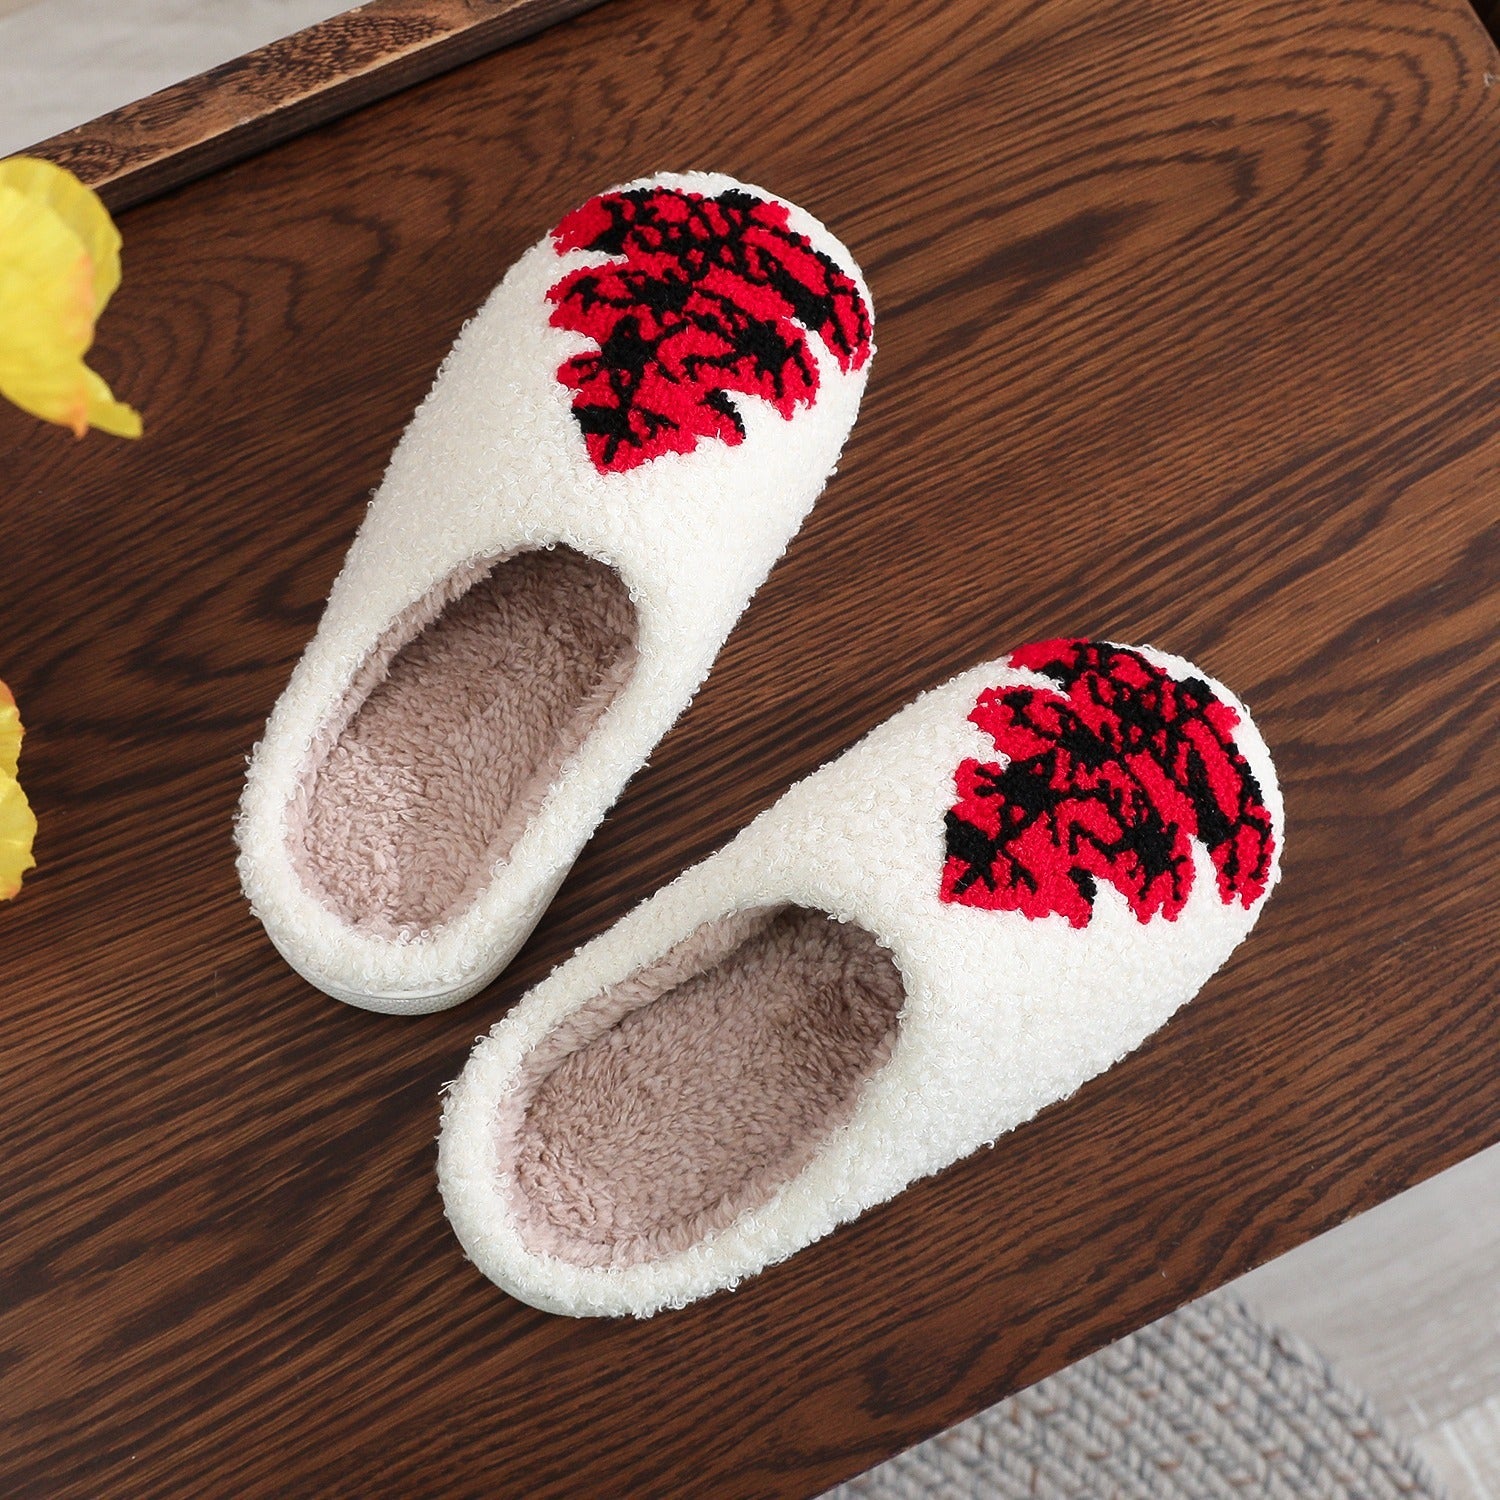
(993, 897)
(615, 453)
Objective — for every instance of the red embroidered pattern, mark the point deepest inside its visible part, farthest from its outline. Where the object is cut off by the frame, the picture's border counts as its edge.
(705, 297)
(1107, 777)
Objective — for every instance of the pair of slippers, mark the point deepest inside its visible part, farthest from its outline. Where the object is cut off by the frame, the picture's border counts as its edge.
(994, 896)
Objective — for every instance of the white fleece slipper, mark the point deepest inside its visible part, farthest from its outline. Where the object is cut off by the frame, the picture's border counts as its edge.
(618, 448)
(994, 896)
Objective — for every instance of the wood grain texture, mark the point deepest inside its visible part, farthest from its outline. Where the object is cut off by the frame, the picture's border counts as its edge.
(1188, 335)
(1464, 1452)
(287, 87)
(1405, 1302)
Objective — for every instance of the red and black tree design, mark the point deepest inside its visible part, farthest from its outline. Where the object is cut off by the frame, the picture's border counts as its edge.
(706, 296)
(1109, 776)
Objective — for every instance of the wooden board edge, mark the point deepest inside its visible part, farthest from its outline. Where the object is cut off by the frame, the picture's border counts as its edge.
(288, 86)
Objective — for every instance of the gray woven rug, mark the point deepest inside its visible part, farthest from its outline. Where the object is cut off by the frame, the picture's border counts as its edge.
(1210, 1402)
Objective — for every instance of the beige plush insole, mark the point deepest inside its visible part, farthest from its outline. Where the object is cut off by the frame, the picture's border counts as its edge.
(687, 1095)
(428, 786)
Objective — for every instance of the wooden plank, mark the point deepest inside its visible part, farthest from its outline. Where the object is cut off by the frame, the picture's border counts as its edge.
(1465, 1451)
(288, 87)
(1404, 1300)
(1187, 335)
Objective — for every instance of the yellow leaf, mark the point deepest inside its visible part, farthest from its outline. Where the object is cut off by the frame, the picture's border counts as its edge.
(17, 824)
(10, 732)
(59, 266)
(17, 830)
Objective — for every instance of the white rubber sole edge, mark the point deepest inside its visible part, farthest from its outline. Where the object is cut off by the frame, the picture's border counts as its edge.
(426, 1002)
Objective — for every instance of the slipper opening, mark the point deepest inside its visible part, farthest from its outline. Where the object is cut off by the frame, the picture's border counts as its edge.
(674, 1102)
(453, 733)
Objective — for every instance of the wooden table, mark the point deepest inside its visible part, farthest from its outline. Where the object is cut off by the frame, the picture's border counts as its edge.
(1189, 333)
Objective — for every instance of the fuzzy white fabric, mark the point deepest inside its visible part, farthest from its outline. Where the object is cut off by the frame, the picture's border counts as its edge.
(494, 463)
(1003, 1014)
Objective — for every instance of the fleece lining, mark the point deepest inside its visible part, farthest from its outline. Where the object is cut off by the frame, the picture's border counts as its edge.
(1006, 1006)
(661, 443)
(442, 765)
(698, 1086)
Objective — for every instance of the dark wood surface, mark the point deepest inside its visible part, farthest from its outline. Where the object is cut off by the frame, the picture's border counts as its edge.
(1188, 335)
(286, 87)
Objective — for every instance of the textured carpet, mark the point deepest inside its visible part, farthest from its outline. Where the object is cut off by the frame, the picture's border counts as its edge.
(1209, 1402)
